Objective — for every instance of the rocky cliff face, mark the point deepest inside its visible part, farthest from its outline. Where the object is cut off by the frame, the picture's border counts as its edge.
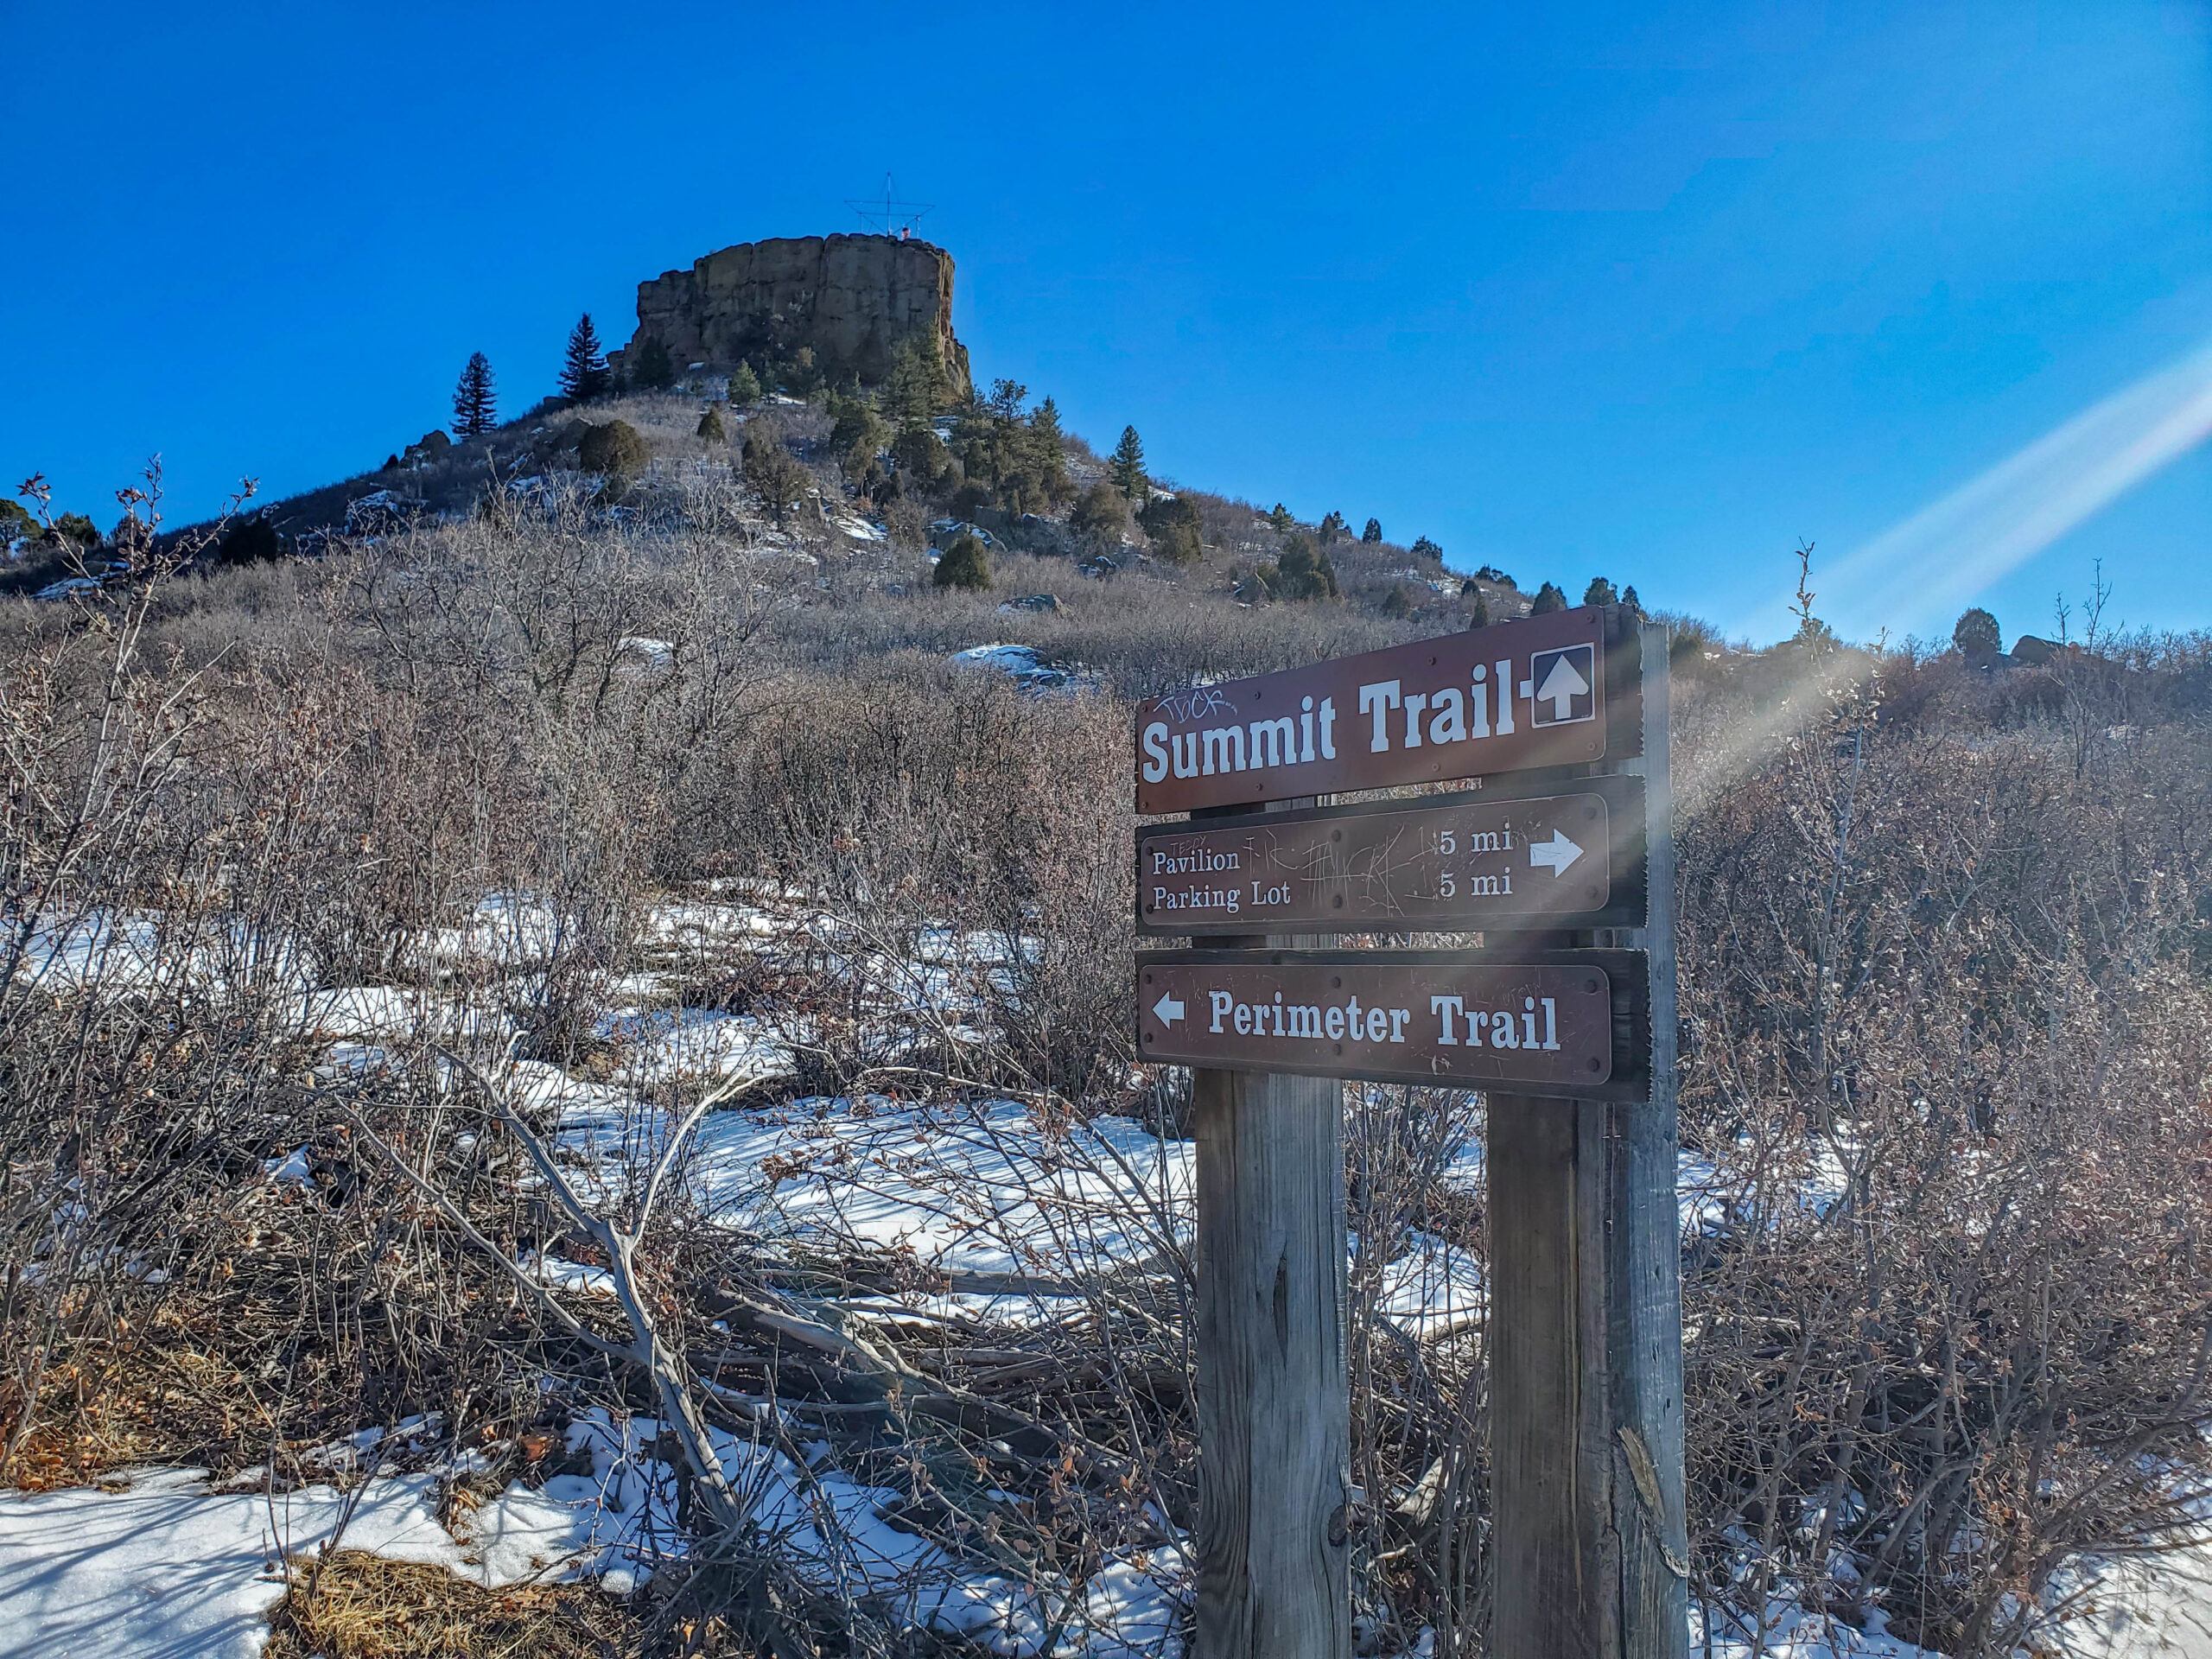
(852, 298)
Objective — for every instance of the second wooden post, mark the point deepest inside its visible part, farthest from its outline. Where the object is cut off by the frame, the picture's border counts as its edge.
(1274, 1401)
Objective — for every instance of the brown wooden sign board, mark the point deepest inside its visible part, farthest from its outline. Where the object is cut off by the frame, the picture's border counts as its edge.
(1569, 1023)
(1554, 690)
(1512, 858)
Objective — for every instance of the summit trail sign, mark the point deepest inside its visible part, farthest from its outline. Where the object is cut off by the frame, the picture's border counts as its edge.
(1556, 690)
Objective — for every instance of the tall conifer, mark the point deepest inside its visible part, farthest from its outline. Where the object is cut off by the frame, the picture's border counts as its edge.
(1126, 467)
(474, 405)
(583, 368)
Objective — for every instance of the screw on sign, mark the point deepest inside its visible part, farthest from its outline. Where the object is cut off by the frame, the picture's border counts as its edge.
(1552, 690)
(1499, 858)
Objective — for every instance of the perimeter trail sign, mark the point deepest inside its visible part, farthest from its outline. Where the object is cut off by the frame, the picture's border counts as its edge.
(1558, 854)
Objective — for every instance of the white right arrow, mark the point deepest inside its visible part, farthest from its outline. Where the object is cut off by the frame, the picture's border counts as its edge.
(1560, 687)
(1168, 1009)
(1558, 852)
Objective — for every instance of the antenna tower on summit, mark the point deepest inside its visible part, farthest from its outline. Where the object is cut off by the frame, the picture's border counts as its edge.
(891, 217)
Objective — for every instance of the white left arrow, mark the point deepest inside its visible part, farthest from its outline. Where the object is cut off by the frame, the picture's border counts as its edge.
(1558, 852)
(1168, 1009)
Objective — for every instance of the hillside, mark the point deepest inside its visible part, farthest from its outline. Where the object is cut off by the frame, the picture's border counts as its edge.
(568, 992)
(843, 512)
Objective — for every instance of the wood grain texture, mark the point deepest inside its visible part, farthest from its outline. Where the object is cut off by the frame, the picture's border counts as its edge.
(1274, 1405)
(1645, 1361)
(1585, 1330)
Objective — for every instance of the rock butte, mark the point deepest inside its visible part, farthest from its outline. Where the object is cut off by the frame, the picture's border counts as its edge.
(852, 298)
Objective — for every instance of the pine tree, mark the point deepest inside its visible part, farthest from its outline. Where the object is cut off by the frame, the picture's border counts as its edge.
(1373, 533)
(917, 386)
(474, 406)
(744, 384)
(1976, 635)
(1126, 467)
(654, 369)
(1333, 528)
(1629, 599)
(1599, 592)
(1425, 549)
(710, 426)
(1478, 610)
(1049, 453)
(583, 367)
(1548, 598)
(964, 564)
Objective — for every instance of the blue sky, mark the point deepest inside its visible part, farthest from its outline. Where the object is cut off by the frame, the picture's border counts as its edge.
(1650, 292)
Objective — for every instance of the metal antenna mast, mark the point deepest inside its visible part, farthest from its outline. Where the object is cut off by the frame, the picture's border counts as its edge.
(891, 217)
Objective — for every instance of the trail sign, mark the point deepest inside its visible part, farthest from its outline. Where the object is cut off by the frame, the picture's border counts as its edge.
(1554, 690)
(1569, 1022)
(1510, 858)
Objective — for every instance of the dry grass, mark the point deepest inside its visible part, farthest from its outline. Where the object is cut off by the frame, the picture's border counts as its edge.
(366, 1607)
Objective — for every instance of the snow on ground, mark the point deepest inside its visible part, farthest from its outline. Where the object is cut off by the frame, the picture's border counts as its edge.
(663, 1043)
(984, 1189)
(159, 1565)
(166, 1567)
(2162, 1607)
(1020, 664)
(1788, 1632)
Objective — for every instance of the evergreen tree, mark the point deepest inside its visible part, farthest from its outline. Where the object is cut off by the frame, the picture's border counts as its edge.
(1425, 549)
(1303, 571)
(1102, 512)
(856, 433)
(1177, 529)
(1373, 533)
(1282, 519)
(964, 564)
(1126, 467)
(1478, 608)
(1333, 528)
(583, 366)
(1048, 452)
(615, 450)
(917, 386)
(250, 540)
(776, 475)
(654, 370)
(1548, 598)
(474, 406)
(710, 426)
(1976, 635)
(1629, 599)
(921, 452)
(744, 384)
(78, 530)
(1600, 592)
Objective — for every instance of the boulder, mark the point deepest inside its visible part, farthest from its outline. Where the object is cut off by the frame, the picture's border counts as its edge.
(431, 445)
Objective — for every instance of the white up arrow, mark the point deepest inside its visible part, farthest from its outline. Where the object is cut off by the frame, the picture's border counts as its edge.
(1558, 852)
(1168, 1009)
(1560, 687)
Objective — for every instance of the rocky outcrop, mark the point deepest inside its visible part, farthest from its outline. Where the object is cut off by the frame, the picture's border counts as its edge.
(851, 298)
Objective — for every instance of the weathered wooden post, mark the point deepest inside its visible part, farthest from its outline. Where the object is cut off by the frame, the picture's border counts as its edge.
(1586, 1328)
(1274, 1406)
